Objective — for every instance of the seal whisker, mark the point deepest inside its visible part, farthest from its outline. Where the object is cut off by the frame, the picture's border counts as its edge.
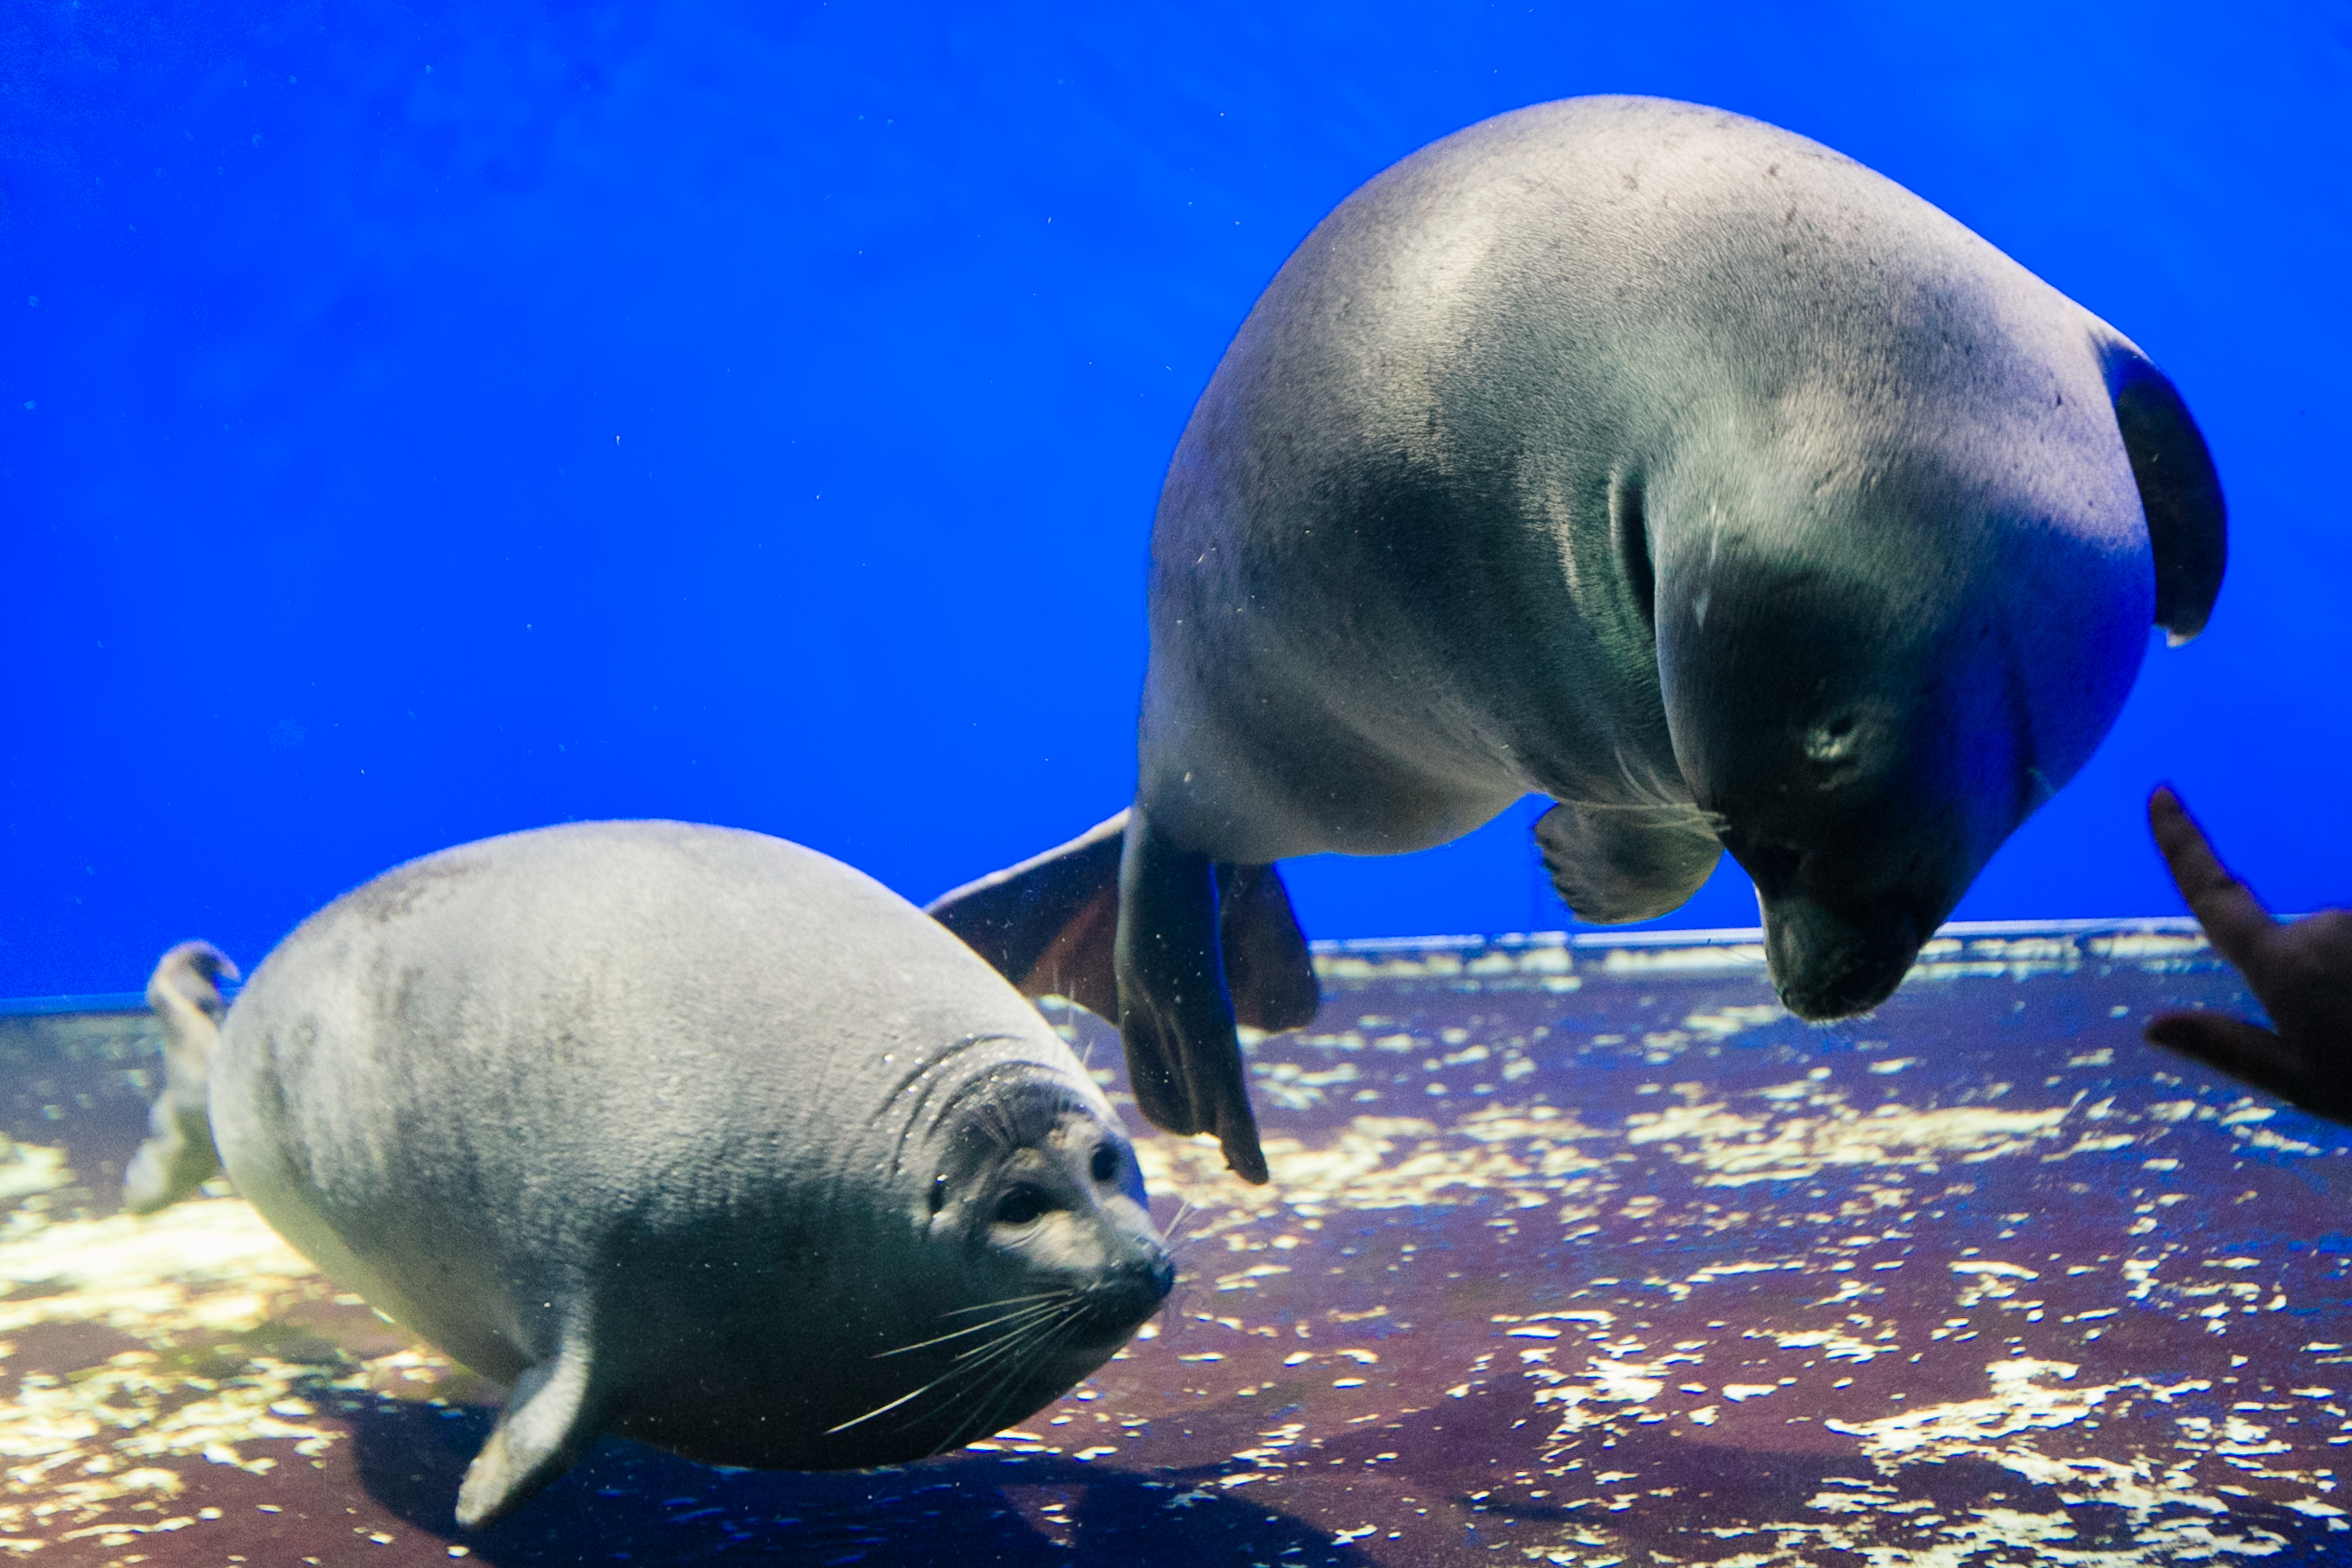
(991, 1405)
(1026, 1312)
(953, 1372)
(885, 1409)
(978, 1354)
(1663, 810)
(983, 1353)
(1175, 1227)
(1006, 1301)
(1022, 1321)
(974, 1357)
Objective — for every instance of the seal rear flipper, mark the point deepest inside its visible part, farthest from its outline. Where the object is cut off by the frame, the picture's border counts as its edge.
(1610, 866)
(2187, 524)
(1269, 972)
(1175, 1015)
(178, 1156)
(1047, 924)
(556, 1410)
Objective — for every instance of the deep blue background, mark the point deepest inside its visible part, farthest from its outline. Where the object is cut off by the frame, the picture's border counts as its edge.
(421, 421)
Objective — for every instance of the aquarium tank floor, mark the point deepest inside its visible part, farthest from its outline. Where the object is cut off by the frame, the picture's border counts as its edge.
(1579, 1253)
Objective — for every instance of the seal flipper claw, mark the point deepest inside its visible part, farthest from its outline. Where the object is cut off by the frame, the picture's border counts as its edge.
(1045, 924)
(1175, 1015)
(1610, 866)
(553, 1414)
(178, 1156)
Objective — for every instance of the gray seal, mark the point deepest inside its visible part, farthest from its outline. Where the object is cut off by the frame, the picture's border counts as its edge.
(689, 1134)
(1664, 463)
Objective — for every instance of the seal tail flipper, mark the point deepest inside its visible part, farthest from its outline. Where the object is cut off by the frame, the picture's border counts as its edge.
(178, 1156)
(1175, 1015)
(1268, 970)
(556, 1409)
(1047, 924)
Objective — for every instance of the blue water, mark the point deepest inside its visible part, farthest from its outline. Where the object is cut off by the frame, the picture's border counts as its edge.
(420, 421)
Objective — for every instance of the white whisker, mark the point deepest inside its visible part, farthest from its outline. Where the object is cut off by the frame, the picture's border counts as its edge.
(1026, 1312)
(952, 1372)
(985, 1419)
(971, 1362)
(1004, 1301)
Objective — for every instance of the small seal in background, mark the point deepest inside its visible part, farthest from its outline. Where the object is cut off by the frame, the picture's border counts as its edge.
(1653, 459)
(689, 1134)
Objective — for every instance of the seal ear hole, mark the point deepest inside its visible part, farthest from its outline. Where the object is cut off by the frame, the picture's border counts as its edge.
(1106, 1163)
(1025, 1205)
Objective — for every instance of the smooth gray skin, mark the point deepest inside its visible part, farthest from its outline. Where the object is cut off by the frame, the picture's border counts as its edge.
(690, 1134)
(1676, 467)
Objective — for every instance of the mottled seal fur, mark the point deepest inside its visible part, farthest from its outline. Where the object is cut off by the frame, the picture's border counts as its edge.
(689, 1135)
(1669, 465)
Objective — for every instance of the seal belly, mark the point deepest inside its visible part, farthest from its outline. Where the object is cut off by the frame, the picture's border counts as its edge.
(291, 1089)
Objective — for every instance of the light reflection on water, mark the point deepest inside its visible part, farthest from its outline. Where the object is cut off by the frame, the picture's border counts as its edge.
(1570, 1257)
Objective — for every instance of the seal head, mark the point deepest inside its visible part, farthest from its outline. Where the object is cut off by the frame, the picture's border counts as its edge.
(1866, 677)
(1042, 1201)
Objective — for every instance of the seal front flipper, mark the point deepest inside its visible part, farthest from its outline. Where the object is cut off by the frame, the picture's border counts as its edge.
(1612, 865)
(178, 1156)
(554, 1412)
(1047, 924)
(1175, 1015)
(2180, 493)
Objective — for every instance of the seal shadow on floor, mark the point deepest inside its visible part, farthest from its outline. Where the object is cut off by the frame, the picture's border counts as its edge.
(627, 1503)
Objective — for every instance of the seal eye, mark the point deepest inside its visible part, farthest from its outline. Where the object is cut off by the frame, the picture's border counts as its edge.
(939, 1192)
(1106, 1165)
(1023, 1205)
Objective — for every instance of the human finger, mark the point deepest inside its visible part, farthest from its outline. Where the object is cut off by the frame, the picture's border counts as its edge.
(2245, 1051)
(2235, 920)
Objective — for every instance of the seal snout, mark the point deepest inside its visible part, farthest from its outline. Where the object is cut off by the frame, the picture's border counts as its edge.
(1127, 1292)
(1833, 963)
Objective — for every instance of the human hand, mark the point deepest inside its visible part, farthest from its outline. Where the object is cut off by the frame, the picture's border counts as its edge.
(2301, 970)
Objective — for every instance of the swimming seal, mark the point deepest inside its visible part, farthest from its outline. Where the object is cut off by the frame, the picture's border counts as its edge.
(1669, 465)
(689, 1134)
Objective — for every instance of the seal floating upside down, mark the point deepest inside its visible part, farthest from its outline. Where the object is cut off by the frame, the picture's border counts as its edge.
(1655, 460)
(689, 1134)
